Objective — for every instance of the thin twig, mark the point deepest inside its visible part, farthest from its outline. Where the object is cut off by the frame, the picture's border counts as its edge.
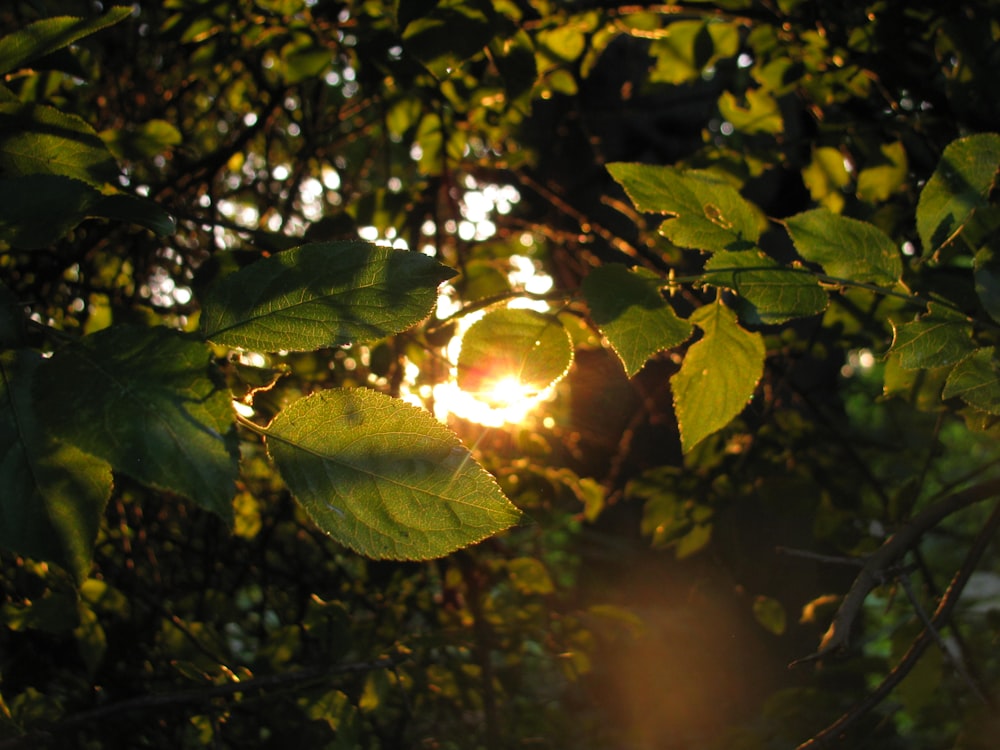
(835, 731)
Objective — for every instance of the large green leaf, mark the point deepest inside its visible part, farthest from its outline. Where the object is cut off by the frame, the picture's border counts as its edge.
(36, 139)
(976, 380)
(628, 309)
(48, 35)
(144, 399)
(960, 185)
(941, 337)
(38, 209)
(718, 375)
(384, 477)
(52, 495)
(846, 248)
(321, 295)
(778, 293)
(523, 344)
(708, 213)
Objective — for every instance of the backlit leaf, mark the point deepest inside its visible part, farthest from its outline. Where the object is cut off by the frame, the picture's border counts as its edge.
(770, 613)
(708, 213)
(144, 400)
(846, 248)
(532, 347)
(52, 495)
(960, 185)
(778, 293)
(44, 37)
(384, 477)
(880, 181)
(36, 139)
(686, 48)
(939, 338)
(322, 295)
(759, 113)
(628, 309)
(718, 375)
(976, 380)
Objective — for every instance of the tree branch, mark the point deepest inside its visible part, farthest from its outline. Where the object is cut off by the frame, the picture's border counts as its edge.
(835, 731)
(878, 564)
(197, 696)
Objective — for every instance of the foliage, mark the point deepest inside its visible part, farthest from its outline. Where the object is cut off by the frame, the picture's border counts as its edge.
(773, 322)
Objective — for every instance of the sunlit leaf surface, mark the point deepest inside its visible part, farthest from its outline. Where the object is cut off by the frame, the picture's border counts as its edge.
(532, 348)
(718, 376)
(322, 295)
(384, 477)
(628, 308)
(960, 184)
(846, 248)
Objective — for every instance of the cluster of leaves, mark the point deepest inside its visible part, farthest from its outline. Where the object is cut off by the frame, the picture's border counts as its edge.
(179, 213)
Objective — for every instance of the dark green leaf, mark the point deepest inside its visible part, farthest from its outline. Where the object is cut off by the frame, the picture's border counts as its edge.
(846, 248)
(143, 141)
(134, 209)
(144, 399)
(11, 319)
(770, 613)
(976, 380)
(525, 345)
(450, 33)
(52, 495)
(46, 36)
(38, 209)
(941, 337)
(630, 312)
(36, 139)
(718, 375)
(960, 185)
(709, 213)
(778, 293)
(322, 295)
(987, 276)
(384, 477)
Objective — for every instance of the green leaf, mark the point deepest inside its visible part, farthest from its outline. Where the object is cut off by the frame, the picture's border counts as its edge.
(826, 177)
(960, 185)
(688, 47)
(758, 114)
(38, 209)
(878, 183)
(709, 213)
(144, 399)
(846, 248)
(523, 344)
(718, 375)
(628, 309)
(36, 139)
(384, 477)
(134, 209)
(143, 141)
(976, 380)
(770, 614)
(45, 37)
(939, 338)
(986, 268)
(321, 295)
(52, 495)
(778, 293)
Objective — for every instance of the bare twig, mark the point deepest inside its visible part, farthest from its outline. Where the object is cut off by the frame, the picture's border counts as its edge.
(834, 732)
(875, 569)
